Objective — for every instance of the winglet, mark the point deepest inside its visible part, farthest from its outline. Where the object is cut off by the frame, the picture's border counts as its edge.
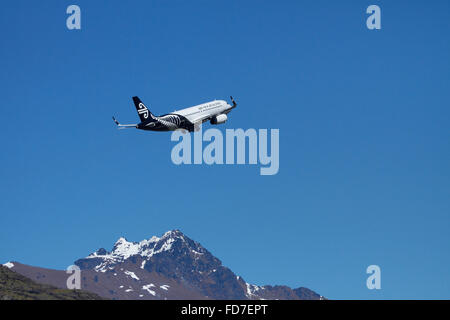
(117, 122)
(234, 102)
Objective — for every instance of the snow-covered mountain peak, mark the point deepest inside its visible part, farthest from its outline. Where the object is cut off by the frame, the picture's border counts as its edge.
(173, 234)
(101, 260)
(125, 249)
(120, 241)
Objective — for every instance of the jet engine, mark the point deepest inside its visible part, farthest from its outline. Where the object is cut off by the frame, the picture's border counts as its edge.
(221, 118)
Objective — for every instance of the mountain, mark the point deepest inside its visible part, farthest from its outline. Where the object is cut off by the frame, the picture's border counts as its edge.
(169, 267)
(14, 286)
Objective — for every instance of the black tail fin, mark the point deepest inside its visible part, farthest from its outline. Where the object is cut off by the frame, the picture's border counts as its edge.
(144, 113)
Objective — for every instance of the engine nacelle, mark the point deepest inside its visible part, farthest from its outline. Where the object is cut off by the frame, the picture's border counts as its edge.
(221, 118)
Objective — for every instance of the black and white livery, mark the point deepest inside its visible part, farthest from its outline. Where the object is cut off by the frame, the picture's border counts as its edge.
(188, 119)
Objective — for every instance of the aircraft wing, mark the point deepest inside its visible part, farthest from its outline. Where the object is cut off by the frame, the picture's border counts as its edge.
(197, 120)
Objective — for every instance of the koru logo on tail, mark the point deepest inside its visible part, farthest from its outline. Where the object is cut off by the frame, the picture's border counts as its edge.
(143, 110)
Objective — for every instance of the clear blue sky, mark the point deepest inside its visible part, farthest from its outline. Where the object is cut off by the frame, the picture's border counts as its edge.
(364, 137)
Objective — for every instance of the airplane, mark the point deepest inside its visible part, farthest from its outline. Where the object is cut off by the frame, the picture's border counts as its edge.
(188, 119)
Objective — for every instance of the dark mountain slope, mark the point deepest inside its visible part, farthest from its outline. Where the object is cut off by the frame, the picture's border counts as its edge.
(14, 286)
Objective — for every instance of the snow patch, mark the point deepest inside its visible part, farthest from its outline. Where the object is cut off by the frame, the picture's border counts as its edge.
(9, 265)
(251, 290)
(147, 287)
(131, 274)
(165, 287)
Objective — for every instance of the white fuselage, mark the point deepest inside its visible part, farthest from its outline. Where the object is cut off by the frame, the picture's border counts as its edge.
(189, 118)
(204, 111)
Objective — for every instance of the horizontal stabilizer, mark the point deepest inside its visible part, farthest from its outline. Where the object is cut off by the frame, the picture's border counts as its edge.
(124, 126)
